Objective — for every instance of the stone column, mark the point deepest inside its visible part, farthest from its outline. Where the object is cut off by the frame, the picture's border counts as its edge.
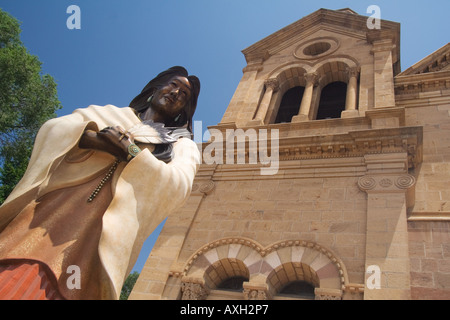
(311, 82)
(271, 87)
(352, 90)
(387, 256)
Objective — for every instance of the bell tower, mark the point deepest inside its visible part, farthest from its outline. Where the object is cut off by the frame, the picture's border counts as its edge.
(334, 218)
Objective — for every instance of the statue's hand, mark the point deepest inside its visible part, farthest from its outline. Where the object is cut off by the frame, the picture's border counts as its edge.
(112, 140)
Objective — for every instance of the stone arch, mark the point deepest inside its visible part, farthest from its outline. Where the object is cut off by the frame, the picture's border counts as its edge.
(291, 77)
(350, 61)
(333, 70)
(290, 272)
(262, 263)
(224, 269)
(282, 68)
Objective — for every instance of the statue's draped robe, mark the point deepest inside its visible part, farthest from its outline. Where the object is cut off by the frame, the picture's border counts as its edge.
(47, 218)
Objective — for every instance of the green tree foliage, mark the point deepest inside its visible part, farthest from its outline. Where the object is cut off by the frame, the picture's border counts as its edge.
(27, 100)
(128, 285)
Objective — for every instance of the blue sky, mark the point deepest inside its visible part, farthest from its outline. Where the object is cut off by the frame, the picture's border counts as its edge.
(123, 44)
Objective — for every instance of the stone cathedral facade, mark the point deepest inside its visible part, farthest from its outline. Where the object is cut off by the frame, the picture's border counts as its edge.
(359, 207)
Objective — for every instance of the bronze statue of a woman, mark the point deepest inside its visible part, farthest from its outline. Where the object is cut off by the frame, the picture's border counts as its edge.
(99, 181)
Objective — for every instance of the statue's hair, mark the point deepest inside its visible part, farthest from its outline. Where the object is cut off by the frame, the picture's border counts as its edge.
(139, 103)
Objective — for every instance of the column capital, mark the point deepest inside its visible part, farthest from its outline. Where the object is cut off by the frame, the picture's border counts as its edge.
(256, 292)
(353, 71)
(194, 289)
(386, 183)
(272, 83)
(312, 77)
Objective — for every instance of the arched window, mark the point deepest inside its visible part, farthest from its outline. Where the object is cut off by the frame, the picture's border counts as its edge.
(233, 284)
(332, 100)
(298, 289)
(290, 104)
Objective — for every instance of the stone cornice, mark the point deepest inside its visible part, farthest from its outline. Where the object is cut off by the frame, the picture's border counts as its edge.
(356, 143)
(345, 145)
(412, 83)
(436, 61)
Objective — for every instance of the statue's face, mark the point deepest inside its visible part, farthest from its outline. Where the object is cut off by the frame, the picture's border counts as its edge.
(172, 97)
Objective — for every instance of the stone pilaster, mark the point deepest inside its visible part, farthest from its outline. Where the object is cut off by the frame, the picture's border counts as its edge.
(387, 254)
(382, 51)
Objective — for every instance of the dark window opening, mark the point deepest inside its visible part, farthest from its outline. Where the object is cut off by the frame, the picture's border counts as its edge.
(233, 284)
(316, 48)
(298, 288)
(290, 104)
(332, 101)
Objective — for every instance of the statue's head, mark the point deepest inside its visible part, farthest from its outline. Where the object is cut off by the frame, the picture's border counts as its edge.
(172, 93)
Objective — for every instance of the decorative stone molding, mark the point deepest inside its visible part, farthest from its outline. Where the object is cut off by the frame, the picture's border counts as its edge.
(386, 183)
(356, 144)
(328, 294)
(423, 82)
(256, 292)
(367, 183)
(176, 274)
(203, 187)
(193, 289)
(343, 145)
(329, 45)
(405, 181)
(207, 187)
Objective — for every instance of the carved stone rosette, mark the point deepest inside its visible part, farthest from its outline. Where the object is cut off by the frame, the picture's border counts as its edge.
(203, 187)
